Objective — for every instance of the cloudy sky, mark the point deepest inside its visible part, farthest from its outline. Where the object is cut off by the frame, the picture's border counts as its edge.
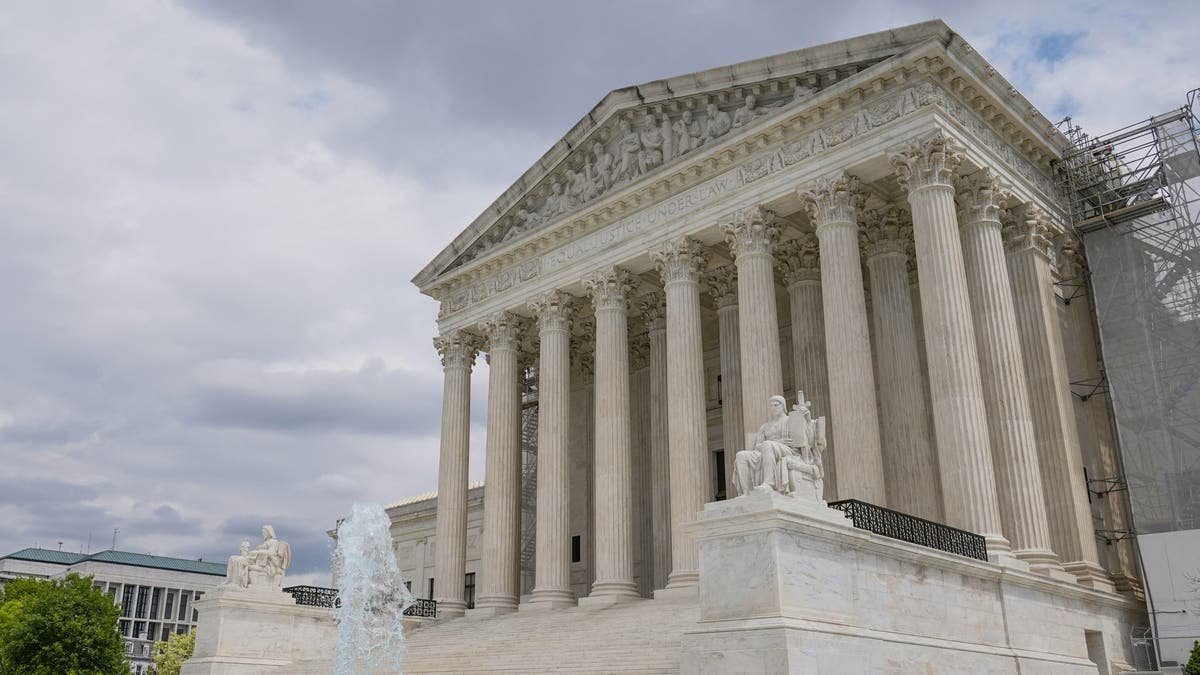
(210, 211)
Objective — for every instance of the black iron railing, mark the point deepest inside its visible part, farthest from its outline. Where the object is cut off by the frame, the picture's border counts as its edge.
(912, 529)
(316, 596)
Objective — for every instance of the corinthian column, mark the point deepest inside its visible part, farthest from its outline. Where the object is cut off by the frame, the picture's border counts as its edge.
(458, 350)
(609, 289)
(832, 204)
(499, 583)
(654, 314)
(1002, 369)
(750, 237)
(679, 263)
(908, 455)
(926, 171)
(723, 286)
(552, 579)
(1071, 534)
(799, 261)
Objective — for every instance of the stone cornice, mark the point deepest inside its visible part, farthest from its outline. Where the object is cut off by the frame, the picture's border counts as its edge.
(987, 95)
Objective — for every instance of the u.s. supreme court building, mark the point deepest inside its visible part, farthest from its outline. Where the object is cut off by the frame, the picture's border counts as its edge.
(873, 228)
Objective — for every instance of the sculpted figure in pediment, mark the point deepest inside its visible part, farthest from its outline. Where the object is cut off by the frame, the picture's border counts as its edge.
(577, 187)
(746, 114)
(602, 169)
(717, 124)
(688, 134)
(629, 146)
(651, 154)
(524, 222)
(558, 202)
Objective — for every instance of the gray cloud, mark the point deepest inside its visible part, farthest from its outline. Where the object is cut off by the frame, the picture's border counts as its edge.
(209, 213)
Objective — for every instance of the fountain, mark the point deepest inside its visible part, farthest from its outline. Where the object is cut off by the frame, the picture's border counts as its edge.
(372, 595)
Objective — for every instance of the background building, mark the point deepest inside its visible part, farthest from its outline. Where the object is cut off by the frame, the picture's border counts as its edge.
(155, 593)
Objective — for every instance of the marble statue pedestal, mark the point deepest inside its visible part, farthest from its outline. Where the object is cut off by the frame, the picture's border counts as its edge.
(790, 586)
(247, 631)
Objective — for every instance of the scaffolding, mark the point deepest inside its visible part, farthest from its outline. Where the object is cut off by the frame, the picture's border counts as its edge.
(1133, 198)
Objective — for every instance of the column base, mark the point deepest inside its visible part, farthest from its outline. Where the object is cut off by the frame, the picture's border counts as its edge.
(490, 606)
(451, 609)
(612, 593)
(678, 593)
(547, 599)
(1044, 562)
(1091, 575)
(999, 551)
(682, 579)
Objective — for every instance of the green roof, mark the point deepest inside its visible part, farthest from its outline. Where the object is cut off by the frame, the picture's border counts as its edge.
(47, 556)
(121, 558)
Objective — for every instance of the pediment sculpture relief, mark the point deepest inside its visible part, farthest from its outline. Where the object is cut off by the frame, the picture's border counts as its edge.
(640, 142)
(785, 455)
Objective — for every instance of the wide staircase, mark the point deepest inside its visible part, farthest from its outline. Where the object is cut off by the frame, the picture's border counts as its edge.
(637, 637)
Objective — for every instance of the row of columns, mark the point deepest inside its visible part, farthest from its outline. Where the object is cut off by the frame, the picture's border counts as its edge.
(995, 452)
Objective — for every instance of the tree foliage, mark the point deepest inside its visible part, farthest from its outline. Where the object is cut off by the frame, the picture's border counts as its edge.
(1193, 664)
(170, 655)
(58, 627)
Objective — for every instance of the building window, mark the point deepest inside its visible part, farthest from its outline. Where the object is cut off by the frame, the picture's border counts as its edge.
(127, 601)
(169, 609)
(128, 647)
(155, 600)
(139, 630)
(183, 605)
(142, 598)
(719, 475)
(576, 548)
(469, 590)
(430, 596)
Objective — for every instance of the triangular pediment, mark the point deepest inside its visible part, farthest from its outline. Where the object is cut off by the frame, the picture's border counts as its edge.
(636, 133)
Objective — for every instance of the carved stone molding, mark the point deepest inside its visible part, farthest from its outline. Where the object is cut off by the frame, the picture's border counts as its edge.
(458, 348)
(609, 288)
(553, 311)
(928, 162)
(1028, 229)
(722, 285)
(885, 231)
(502, 330)
(680, 260)
(799, 259)
(753, 231)
(982, 197)
(654, 310)
(833, 199)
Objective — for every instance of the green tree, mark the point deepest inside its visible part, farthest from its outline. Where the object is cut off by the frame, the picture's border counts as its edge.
(58, 627)
(170, 655)
(1193, 664)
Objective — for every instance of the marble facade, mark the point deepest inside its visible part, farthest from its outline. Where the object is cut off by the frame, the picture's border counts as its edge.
(873, 221)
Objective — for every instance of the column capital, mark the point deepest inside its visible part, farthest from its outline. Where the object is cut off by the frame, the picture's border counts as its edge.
(654, 310)
(927, 162)
(680, 260)
(609, 288)
(981, 197)
(458, 348)
(1069, 261)
(502, 330)
(1028, 229)
(553, 311)
(833, 199)
(885, 231)
(722, 285)
(799, 259)
(753, 231)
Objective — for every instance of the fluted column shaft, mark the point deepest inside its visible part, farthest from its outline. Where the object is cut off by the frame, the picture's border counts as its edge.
(458, 350)
(913, 483)
(552, 579)
(1002, 371)
(1071, 533)
(750, 238)
(833, 207)
(800, 262)
(679, 264)
(722, 285)
(926, 170)
(653, 313)
(614, 457)
(499, 583)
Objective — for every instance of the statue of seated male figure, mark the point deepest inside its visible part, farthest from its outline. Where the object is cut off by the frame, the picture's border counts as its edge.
(785, 454)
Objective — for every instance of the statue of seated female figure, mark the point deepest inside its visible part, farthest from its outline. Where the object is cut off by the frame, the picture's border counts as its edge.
(262, 567)
(785, 454)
